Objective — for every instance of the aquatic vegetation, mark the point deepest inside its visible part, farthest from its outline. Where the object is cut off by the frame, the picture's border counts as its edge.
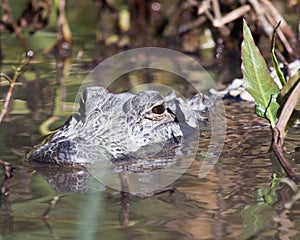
(266, 93)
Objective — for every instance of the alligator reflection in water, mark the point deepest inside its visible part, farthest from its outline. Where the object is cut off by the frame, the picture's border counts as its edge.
(79, 179)
(69, 179)
(143, 176)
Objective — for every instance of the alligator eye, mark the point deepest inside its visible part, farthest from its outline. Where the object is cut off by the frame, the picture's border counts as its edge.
(159, 109)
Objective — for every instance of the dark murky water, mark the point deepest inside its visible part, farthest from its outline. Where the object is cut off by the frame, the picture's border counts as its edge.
(232, 201)
(237, 199)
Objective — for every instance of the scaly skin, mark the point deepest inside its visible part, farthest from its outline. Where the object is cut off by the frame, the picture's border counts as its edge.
(120, 126)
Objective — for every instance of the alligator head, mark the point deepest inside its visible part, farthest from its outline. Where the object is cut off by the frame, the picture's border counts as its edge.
(118, 126)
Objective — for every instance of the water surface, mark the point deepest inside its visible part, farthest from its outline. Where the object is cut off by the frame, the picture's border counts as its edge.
(219, 206)
(236, 199)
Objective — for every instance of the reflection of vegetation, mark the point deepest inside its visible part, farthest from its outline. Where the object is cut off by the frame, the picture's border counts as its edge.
(271, 207)
(7, 181)
(265, 92)
(258, 217)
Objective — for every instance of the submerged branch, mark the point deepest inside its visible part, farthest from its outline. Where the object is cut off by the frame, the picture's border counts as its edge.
(8, 169)
(52, 204)
(278, 132)
(276, 147)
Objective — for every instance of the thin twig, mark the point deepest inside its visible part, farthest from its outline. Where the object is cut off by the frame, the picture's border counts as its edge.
(216, 8)
(260, 11)
(52, 204)
(203, 6)
(231, 16)
(23, 62)
(269, 18)
(3, 75)
(280, 35)
(287, 31)
(192, 25)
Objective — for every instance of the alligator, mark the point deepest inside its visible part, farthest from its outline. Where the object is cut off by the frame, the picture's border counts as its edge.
(122, 126)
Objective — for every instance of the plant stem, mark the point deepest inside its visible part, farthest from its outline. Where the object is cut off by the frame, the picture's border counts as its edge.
(13, 81)
(278, 132)
(287, 111)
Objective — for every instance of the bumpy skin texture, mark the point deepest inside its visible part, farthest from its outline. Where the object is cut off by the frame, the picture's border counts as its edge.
(118, 126)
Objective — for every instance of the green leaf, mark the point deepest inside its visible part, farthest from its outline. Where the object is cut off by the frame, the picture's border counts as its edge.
(286, 90)
(258, 81)
(274, 59)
